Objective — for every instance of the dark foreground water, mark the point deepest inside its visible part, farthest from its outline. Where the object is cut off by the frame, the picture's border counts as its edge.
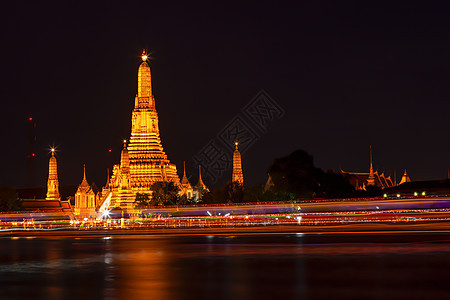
(272, 266)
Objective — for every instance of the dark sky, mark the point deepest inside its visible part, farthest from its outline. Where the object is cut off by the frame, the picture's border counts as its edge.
(347, 75)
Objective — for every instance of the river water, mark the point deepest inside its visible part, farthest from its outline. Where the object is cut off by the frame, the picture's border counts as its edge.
(264, 266)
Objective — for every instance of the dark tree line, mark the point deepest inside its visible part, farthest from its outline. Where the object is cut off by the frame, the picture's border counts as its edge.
(297, 174)
(293, 177)
(9, 200)
(162, 193)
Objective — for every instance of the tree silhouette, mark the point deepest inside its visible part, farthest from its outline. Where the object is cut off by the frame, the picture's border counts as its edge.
(9, 200)
(296, 176)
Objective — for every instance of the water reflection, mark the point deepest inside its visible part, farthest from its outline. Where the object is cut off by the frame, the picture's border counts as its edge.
(232, 267)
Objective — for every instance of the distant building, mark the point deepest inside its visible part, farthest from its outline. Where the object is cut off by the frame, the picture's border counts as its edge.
(196, 192)
(363, 180)
(186, 188)
(33, 198)
(405, 178)
(200, 189)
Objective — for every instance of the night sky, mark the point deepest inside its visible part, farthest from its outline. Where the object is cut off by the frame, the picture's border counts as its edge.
(347, 76)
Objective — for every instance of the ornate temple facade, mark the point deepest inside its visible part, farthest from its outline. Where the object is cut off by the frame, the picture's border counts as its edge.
(143, 160)
(186, 187)
(194, 193)
(85, 199)
(237, 175)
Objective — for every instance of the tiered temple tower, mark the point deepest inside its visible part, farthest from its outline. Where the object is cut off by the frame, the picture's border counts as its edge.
(52, 182)
(143, 160)
(237, 167)
(148, 162)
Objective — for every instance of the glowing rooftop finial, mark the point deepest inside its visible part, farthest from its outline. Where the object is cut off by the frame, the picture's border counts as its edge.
(236, 144)
(144, 55)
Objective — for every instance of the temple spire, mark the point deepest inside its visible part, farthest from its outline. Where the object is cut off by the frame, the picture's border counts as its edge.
(144, 80)
(52, 182)
(107, 176)
(200, 185)
(84, 172)
(405, 178)
(125, 158)
(185, 180)
(237, 175)
(84, 182)
(371, 179)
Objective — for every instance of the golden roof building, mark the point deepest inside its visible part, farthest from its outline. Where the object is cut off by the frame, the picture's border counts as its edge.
(361, 180)
(185, 187)
(85, 199)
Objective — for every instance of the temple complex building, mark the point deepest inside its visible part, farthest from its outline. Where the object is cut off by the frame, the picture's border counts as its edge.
(148, 162)
(237, 175)
(143, 160)
(200, 188)
(186, 188)
(363, 180)
(193, 193)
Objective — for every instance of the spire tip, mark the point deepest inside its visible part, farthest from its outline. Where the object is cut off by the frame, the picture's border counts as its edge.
(144, 55)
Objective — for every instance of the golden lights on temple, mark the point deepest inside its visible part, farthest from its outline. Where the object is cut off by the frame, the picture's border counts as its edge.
(52, 181)
(237, 175)
(142, 161)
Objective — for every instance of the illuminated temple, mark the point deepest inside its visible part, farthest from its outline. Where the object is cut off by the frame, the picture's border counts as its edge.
(362, 180)
(143, 160)
(237, 175)
(52, 182)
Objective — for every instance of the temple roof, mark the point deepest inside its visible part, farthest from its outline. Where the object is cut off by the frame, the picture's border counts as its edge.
(405, 178)
(200, 184)
(84, 182)
(184, 180)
